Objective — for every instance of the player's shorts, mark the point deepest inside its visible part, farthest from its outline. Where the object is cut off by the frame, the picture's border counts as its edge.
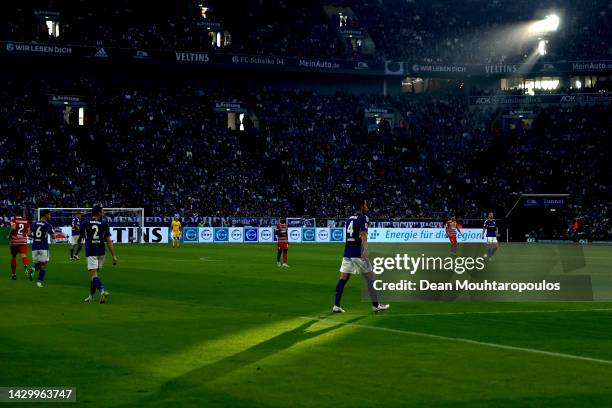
(355, 266)
(282, 245)
(74, 240)
(19, 249)
(40, 255)
(452, 239)
(95, 262)
(491, 240)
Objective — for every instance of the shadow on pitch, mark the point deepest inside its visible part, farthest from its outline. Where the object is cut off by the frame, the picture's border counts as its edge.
(194, 380)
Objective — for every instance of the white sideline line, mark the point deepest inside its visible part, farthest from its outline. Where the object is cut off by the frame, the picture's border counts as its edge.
(498, 312)
(463, 340)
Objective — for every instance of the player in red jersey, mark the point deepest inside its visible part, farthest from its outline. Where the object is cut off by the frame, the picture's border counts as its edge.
(18, 240)
(282, 242)
(452, 227)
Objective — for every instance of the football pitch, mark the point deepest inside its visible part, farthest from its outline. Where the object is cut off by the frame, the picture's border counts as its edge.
(220, 325)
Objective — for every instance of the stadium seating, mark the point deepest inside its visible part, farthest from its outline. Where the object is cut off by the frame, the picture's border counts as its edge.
(166, 149)
(441, 31)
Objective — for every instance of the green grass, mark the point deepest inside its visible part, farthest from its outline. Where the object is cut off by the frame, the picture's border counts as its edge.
(222, 326)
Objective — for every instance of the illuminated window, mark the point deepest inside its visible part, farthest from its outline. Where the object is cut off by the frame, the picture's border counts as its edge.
(53, 28)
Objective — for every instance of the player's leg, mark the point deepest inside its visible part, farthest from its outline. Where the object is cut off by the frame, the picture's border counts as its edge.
(279, 252)
(344, 278)
(365, 268)
(79, 244)
(14, 253)
(73, 242)
(494, 246)
(94, 264)
(42, 269)
(36, 261)
(453, 241)
(346, 269)
(27, 268)
(285, 249)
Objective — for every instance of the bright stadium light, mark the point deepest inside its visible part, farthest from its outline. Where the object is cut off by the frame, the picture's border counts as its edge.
(542, 47)
(552, 22)
(546, 25)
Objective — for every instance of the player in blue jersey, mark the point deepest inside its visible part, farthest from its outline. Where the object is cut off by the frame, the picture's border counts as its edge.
(490, 233)
(355, 260)
(96, 234)
(40, 233)
(75, 237)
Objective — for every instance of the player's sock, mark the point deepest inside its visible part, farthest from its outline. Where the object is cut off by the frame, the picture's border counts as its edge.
(78, 250)
(92, 288)
(373, 293)
(493, 249)
(98, 284)
(278, 255)
(71, 252)
(339, 290)
(25, 261)
(41, 274)
(285, 257)
(13, 266)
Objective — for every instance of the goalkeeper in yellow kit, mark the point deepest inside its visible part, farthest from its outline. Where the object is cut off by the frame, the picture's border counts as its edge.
(176, 232)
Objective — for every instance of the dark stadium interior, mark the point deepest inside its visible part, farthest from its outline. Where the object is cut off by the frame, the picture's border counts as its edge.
(160, 143)
(306, 203)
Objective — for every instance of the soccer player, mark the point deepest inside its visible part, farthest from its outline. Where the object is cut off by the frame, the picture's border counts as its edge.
(41, 231)
(282, 242)
(96, 233)
(451, 232)
(355, 260)
(75, 237)
(176, 232)
(490, 227)
(18, 238)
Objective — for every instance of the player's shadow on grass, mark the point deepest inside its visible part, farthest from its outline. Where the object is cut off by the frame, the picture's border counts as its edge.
(194, 380)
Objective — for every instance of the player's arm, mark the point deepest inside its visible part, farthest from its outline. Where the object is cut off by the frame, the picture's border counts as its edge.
(483, 229)
(364, 243)
(111, 248)
(12, 230)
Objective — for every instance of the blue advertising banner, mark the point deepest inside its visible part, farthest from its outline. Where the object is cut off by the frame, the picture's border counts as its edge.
(251, 234)
(221, 234)
(190, 234)
(336, 235)
(309, 235)
(538, 202)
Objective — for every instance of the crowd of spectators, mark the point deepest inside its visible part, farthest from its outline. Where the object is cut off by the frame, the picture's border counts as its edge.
(300, 153)
(443, 31)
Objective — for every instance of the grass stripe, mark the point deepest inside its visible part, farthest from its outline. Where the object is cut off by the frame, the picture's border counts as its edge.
(464, 340)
